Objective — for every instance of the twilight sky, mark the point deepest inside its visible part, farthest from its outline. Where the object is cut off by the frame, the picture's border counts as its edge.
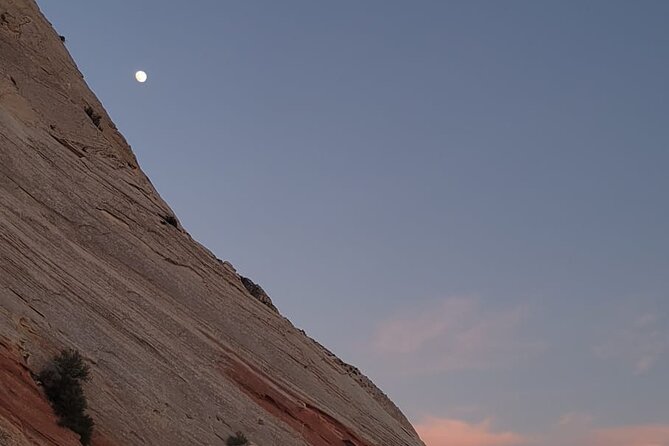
(466, 199)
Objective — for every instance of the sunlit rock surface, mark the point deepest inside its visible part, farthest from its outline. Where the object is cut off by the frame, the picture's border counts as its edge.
(90, 258)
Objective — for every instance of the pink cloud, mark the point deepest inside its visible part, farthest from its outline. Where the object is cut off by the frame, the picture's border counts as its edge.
(641, 342)
(450, 432)
(410, 332)
(573, 429)
(643, 435)
(579, 429)
(452, 334)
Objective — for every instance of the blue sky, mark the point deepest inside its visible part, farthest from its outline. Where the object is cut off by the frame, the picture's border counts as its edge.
(466, 199)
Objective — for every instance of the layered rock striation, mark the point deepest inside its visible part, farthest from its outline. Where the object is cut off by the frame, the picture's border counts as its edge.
(182, 349)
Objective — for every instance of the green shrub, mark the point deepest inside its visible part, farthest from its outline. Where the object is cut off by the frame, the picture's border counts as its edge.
(62, 380)
(239, 439)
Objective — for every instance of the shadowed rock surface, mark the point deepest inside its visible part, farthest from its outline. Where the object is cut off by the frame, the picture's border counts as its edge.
(180, 352)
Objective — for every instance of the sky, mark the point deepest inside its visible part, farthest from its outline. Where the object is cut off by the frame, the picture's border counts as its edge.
(466, 199)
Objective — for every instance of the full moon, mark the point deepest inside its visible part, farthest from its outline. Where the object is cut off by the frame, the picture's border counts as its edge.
(140, 76)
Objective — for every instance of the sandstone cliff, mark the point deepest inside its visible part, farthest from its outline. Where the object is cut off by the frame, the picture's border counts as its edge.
(92, 258)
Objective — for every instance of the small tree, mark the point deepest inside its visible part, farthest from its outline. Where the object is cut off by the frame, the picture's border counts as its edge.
(62, 384)
(239, 439)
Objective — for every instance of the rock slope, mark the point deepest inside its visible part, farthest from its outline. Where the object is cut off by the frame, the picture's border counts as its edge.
(92, 258)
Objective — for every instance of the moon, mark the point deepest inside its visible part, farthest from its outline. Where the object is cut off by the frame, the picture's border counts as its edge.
(140, 76)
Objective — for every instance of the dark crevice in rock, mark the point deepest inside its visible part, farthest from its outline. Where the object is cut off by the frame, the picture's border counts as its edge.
(170, 220)
(94, 117)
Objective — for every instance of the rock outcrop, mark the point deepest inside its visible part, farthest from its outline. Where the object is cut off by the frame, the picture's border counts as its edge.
(91, 258)
(256, 291)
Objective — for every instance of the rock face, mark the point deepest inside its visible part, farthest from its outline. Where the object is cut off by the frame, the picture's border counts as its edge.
(92, 258)
(25, 417)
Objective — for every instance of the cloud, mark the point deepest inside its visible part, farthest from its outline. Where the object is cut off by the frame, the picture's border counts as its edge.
(573, 429)
(572, 419)
(579, 429)
(454, 334)
(643, 435)
(640, 342)
(450, 432)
